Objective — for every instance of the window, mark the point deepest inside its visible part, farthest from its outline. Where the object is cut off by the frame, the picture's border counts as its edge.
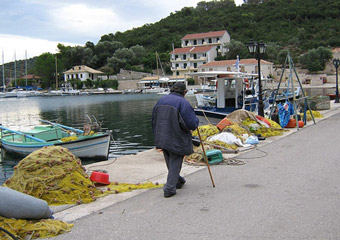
(195, 42)
(176, 56)
(185, 65)
(184, 57)
(195, 65)
(177, 65)
(186, 42)
(202, 41)
(210, 40)
(195, 56)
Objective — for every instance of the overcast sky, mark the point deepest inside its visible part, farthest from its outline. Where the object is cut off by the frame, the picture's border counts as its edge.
(37, 26)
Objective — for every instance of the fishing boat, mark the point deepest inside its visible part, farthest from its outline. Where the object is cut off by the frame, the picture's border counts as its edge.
(85, 144)
(234, 90)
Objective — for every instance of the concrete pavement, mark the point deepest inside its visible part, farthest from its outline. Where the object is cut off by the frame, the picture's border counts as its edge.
(287, 189)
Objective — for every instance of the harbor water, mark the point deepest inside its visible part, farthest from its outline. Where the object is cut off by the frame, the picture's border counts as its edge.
(128, 116)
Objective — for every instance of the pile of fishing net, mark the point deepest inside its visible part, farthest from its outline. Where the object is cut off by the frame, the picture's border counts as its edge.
(57, 176)
(33, 228)
(232, 132)
(316, 114)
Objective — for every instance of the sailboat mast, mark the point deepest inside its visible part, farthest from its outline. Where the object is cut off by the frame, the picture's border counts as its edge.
(26, 67)
(3, 72)
(56, 74)
(157, 64)
(15, 69)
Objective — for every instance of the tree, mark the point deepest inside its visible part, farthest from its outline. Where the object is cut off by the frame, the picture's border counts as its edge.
(315, 59)
(45, 68)
(121, 58)
(105, 50)
(236, 48)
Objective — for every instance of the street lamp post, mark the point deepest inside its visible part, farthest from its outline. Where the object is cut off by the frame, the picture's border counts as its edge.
(258, 50)
(336, 63)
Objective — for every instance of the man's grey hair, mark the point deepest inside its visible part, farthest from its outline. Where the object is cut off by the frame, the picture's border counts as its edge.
(179, 87)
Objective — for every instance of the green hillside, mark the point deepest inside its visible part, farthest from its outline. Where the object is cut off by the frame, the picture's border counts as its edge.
(294, 25)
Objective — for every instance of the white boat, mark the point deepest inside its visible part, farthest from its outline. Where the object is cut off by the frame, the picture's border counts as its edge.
(233, 92)
(80, 143)
(18, 93)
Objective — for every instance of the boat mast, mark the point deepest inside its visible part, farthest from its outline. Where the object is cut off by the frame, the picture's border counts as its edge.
(157, 65)
(56, 73)
(3, 72)
(26, 67)
(15, 69)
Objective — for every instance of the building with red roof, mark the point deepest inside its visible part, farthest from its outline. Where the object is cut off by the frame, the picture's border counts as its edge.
(249, 65)
(197, 49)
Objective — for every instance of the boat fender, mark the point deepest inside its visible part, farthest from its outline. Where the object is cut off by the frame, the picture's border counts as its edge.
(19, 205)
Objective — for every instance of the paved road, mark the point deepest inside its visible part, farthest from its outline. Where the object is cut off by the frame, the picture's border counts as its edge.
(288, 189)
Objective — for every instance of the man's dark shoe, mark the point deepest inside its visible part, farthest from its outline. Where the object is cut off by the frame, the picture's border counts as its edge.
(169, 194)
(180, 184)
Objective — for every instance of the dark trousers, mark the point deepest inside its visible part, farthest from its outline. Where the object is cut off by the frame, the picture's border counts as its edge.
(174, 165)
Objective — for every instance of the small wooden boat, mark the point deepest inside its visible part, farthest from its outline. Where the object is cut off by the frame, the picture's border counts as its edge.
(84, 144)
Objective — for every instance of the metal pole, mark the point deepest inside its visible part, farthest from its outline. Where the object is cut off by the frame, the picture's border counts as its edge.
(336, 63)
(260, 105)
(3, 72)
(337, 89)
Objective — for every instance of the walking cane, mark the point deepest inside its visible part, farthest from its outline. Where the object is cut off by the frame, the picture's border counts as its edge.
(205, 157)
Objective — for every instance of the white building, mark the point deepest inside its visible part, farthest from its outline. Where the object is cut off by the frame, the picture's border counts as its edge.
(216, 39)
(197, 49)
(82, 73)
(245, 65)
(187, 60)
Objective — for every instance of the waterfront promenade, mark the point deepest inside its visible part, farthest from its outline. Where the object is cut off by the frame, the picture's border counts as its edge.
(288, 188)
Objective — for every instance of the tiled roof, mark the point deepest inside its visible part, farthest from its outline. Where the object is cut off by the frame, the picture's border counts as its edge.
(83, 68)
(191, 49)
(30, 76)
(204, 35)
(249, 61)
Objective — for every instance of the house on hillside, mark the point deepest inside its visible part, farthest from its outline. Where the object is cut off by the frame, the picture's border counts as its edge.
(32, 79)
(197, 49)
(245, 65)
(216, 39)
(187, 60)
(82, 73)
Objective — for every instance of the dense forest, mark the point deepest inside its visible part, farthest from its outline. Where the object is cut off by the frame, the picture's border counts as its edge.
(298, 26)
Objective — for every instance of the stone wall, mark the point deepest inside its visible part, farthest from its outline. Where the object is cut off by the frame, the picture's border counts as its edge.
(131, 75)
(127, 84)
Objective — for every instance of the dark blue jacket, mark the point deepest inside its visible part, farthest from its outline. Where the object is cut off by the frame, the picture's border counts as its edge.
(172, 119)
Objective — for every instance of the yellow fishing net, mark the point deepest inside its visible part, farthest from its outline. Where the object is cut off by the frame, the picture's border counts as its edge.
(316, 114)
(236, 129)
(35, 228)
(206, 131)
(57, 176)
(256, 128)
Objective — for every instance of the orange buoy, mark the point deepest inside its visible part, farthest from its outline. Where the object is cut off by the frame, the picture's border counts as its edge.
(223, 123)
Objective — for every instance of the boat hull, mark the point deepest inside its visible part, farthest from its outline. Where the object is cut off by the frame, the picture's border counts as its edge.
(92, 147)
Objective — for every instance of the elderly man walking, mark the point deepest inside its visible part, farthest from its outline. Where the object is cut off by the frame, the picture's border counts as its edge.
(173, 118)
